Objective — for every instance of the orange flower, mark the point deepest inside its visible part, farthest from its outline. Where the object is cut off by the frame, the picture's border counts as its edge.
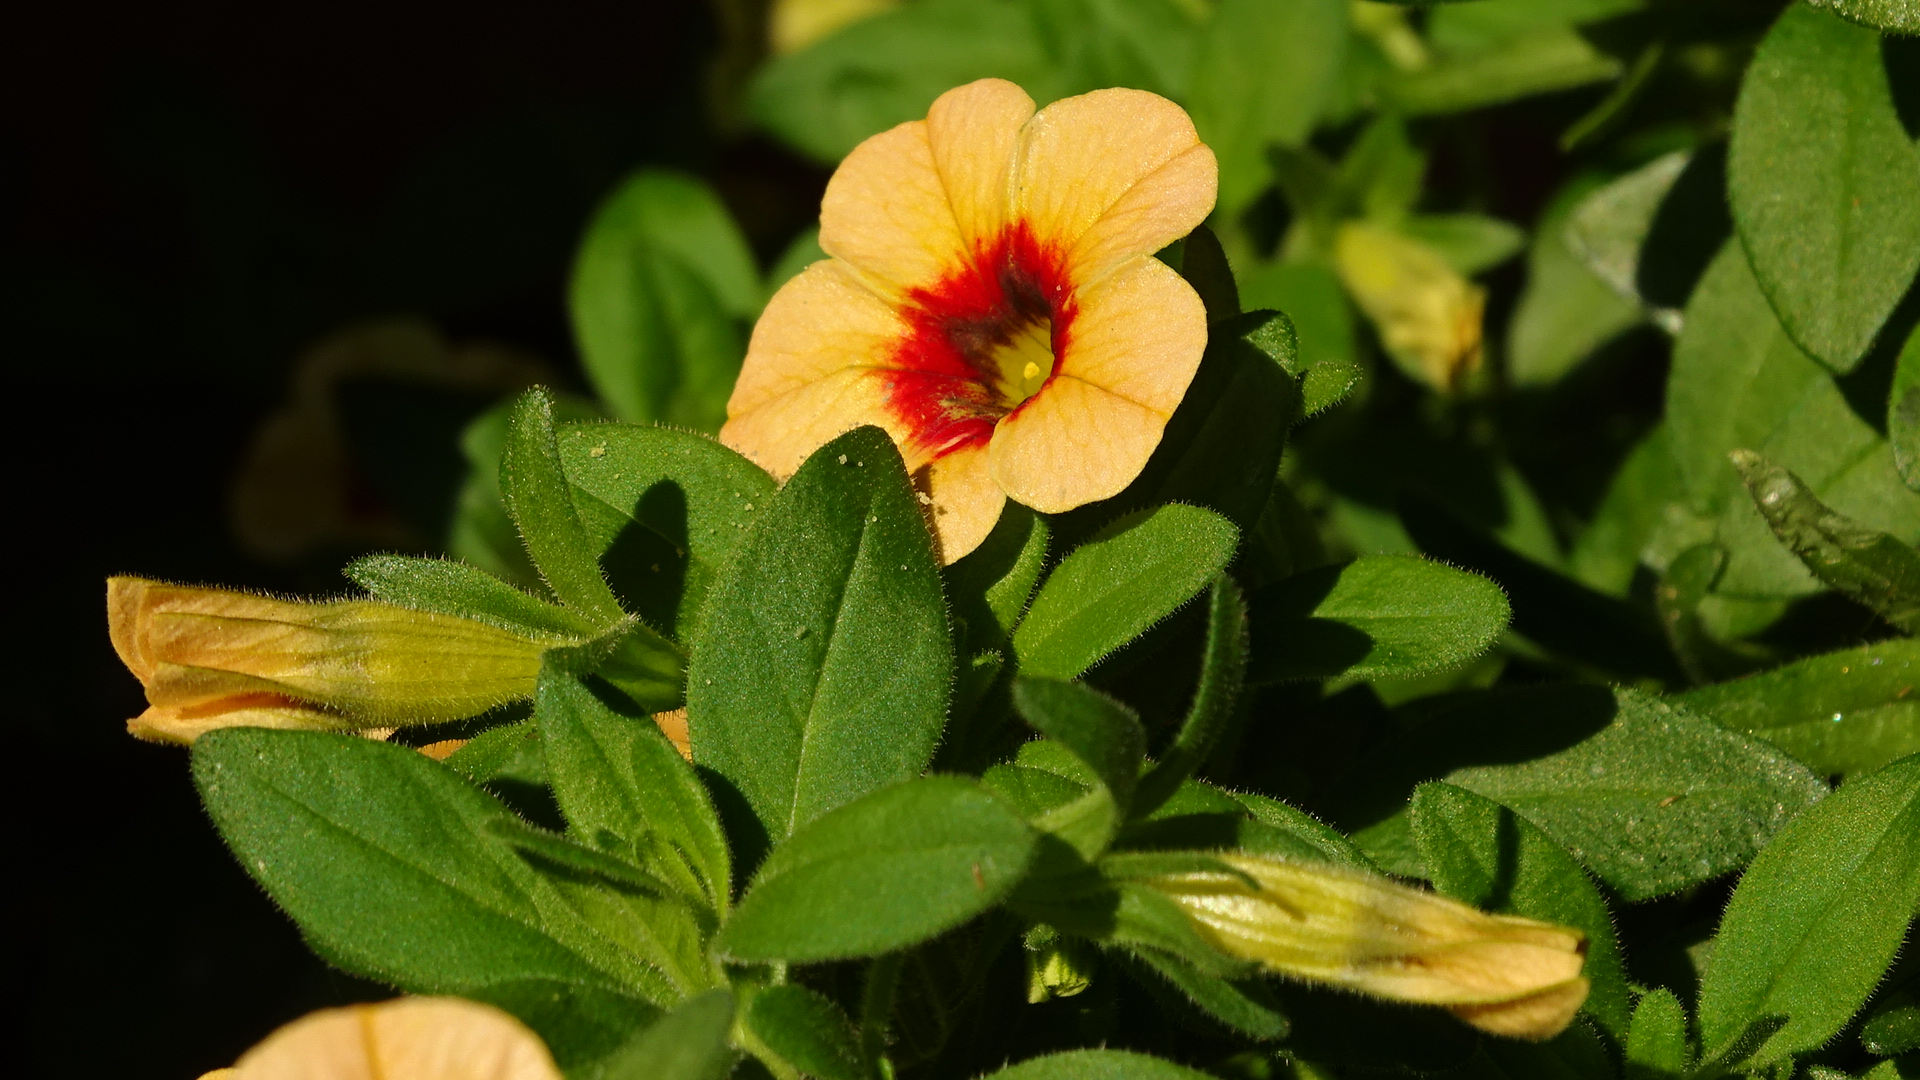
(992, 301)
(418, 1038)
(211, 658)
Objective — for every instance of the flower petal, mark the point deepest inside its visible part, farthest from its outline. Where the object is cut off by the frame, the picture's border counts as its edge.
(1081, 157)
(886, 212)
(779, 433)
(1163, 207)
(965, 500)
(822, 322)
(1135, 344)
(974, 130)
(416, 1038)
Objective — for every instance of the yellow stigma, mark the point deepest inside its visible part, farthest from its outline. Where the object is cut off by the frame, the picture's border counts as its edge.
(1025, 362)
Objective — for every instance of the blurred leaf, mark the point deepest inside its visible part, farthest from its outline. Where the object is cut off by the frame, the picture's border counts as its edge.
(1839, 713)
(888, 69)
(1111, 589)
(1264, 74)
(1379, 177)
(1611, 548)
(1818, 916)
(1313, 301)
(455, 588)
(393, 867)
(1470, 243)
(662, 278)
(1658, 800)
(1537, 62)
(1482, 853)
(883, 872)
(1825, 184)
(613, 771)
(805, 1030)
(1656, 1045)
(1684, 587)
(1896, 16)
(1893, 1023)
(689, 1043)
(1380, 616)
(665, 509)
(1903, 411)
(1094, 1065)
(821, 670)
(1878, 570)
(1608, 227)
(1144, 44)
(1565, 311)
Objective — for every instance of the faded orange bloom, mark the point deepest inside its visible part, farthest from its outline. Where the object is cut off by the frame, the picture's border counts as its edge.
(993, 303)
(412, 1038)
(211, 658)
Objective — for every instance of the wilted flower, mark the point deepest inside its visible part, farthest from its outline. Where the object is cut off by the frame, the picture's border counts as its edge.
(211, 658)
(1500, 973)
(1428, 314)
(403, 1039)
(993, 303)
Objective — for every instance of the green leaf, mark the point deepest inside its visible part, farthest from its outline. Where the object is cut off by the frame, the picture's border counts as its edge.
(537, 497)
(1607, 228)
(1658, 800)
(1549, 608)
(1240, 1004)
(613, 771)
(1106, 738)
(1541, 61)
(1656, 1046)
(689, 1043)
(1470, 243)
(881, 873)
(1147, 44)
(1313, 300)
(1684, 587)
(494, 752)
(482, 532)
(1484, 854)
(1095, 1065)
(1840, 713)
(1380, 616)
(1825, 184)
(1903, 411)
(1895, 16)
(1609, 551)
(455, 588)
(581, 1025)
(396, 869)
(1113, 588)
(1878, 570)
(1893, 1023)
(1203, 262)
(989, 587)
(1566, 311)
(887, 70)
(1223, 668)
(1309, 838)
(821, 669)
(661, 281)
(1264, 74)
(806, 1031)
(1818, 916)
(665, 509)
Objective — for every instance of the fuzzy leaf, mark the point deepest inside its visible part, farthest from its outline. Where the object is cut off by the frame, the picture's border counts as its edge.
(1380, 616)
(1840, 713)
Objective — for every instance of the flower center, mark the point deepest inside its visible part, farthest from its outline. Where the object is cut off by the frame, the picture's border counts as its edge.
(1023, 362)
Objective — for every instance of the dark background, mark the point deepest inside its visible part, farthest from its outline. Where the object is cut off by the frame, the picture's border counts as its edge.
(193, 195)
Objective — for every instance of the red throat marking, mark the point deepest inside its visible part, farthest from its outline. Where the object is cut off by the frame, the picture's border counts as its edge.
(945, 386)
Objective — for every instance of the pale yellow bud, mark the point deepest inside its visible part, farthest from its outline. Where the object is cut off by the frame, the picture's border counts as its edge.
(1500, 973)
(211, 658)
(793, 25)
(1427, 314)
(414, 1038)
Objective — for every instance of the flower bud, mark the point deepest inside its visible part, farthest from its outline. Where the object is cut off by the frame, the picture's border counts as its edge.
(211, 658)
(1428, 315)
(1500, 973)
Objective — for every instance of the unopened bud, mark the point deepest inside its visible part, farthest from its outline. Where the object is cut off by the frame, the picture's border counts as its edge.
(1428, 314)
(1500, 973)
(211, 658)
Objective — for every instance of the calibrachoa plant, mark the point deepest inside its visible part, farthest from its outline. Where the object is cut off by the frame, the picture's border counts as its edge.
(966, 688)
